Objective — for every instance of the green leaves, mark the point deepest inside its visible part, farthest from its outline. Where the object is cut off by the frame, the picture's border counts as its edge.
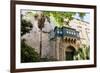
(26, 26)
(28, 54)
(60, 16)
(82, 54)
(81, 15)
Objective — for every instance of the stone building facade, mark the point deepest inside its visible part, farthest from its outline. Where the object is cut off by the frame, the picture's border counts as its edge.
(58, 43)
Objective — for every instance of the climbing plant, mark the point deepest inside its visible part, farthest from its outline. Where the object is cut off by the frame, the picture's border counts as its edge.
(83, 53)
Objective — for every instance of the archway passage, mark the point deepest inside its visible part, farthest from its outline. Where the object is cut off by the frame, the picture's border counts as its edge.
(69, 53)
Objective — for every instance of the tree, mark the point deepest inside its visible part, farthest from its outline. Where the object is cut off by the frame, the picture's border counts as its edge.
(81, 15)
(28, 53)
(26, 26)
(60, 16)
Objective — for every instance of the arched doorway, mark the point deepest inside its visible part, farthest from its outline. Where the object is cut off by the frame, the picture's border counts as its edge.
(69, 53)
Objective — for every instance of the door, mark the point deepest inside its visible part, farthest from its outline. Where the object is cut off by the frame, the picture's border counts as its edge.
(69, 53)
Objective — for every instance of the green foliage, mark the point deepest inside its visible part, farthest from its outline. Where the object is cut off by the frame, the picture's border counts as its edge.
(83, 53)
(28, 54)
(81, 15)
(26, 26)
(60, 16)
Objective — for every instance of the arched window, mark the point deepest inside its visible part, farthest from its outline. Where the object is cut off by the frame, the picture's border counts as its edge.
(74, 41)
(68, 40)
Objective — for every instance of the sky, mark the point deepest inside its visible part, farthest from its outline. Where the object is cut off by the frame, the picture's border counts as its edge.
(86, 17)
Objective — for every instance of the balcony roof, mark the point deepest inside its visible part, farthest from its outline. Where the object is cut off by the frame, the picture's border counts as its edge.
(66, 31)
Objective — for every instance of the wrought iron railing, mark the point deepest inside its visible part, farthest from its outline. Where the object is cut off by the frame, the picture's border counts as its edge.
(66, 31)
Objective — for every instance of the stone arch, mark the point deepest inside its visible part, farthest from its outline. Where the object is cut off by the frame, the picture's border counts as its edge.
(68, 40)
(74, 41)
(70, 52)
